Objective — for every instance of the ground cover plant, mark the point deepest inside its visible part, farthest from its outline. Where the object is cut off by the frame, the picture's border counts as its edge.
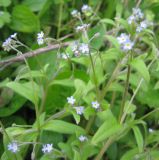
(79, 80)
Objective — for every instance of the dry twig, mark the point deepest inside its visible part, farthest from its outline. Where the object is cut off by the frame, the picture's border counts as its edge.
(32, 54)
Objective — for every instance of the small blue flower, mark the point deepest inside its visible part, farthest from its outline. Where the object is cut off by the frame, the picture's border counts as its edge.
(75, 13)
(47, 148)
(40, 38)
(128, 46)
(123, 38)
(95, 105)
(79, 110)
(71, 100)
(13, 147)
(83, 138)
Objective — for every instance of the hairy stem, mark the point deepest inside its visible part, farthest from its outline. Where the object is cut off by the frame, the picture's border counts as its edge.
(117, 68)
(59, 21)
(125, 92)
(104, 148)
(134, 94)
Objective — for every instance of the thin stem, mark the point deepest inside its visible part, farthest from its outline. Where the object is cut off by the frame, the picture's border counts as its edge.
(45, 90)
(136, 91)
(89, 124)
(9, 139)
(94, 74)
(35, 96)
(125, 92)
(113, 99)
(104, 148)
(59, 21)
(34, 93)
(3, 129)
(138, 3)
(91, 120)
(148, 114)
(57, 115)
(117, 68)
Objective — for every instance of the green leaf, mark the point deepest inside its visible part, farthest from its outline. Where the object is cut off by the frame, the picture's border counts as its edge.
(81, 60)
(67, 149)
(1, 23)
(140, 66)
(24, 20)
(80, 88)
(76, 117)
(63, 82)
(107, 129)
(130, 155)
(5, 3)
(52, 155)
(125, 24)
(4, 18)
(21, 135)
(139, 138)
(89, 111)
(114, 41)
(11, 132)
(111, 54)
(28, 90)
(87, 151)
(108, 21)
(156, 85)
(98, 41)
(129, 108)
(35, 5)
(16, 103)
(33, 74)
(116, 87)
(77, 155)
(62, 127)
(7, 156)
(149, 97)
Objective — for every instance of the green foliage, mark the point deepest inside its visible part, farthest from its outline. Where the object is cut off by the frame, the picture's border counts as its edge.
(24, 20)
(88, 92)
(107, 129)
(5, 3)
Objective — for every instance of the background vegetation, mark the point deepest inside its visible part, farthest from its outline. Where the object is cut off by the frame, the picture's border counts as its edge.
(23, 106)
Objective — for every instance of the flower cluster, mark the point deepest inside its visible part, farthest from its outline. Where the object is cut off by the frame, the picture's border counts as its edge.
(79, 109)
(10, 43)
(143, 25)
(40, 38)
(137, 18)
(86, 10)
(125, 42)
(80, 48)
(47, 148)
(13, 147)
(75, 14)
(82, 28)
(64, 56)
